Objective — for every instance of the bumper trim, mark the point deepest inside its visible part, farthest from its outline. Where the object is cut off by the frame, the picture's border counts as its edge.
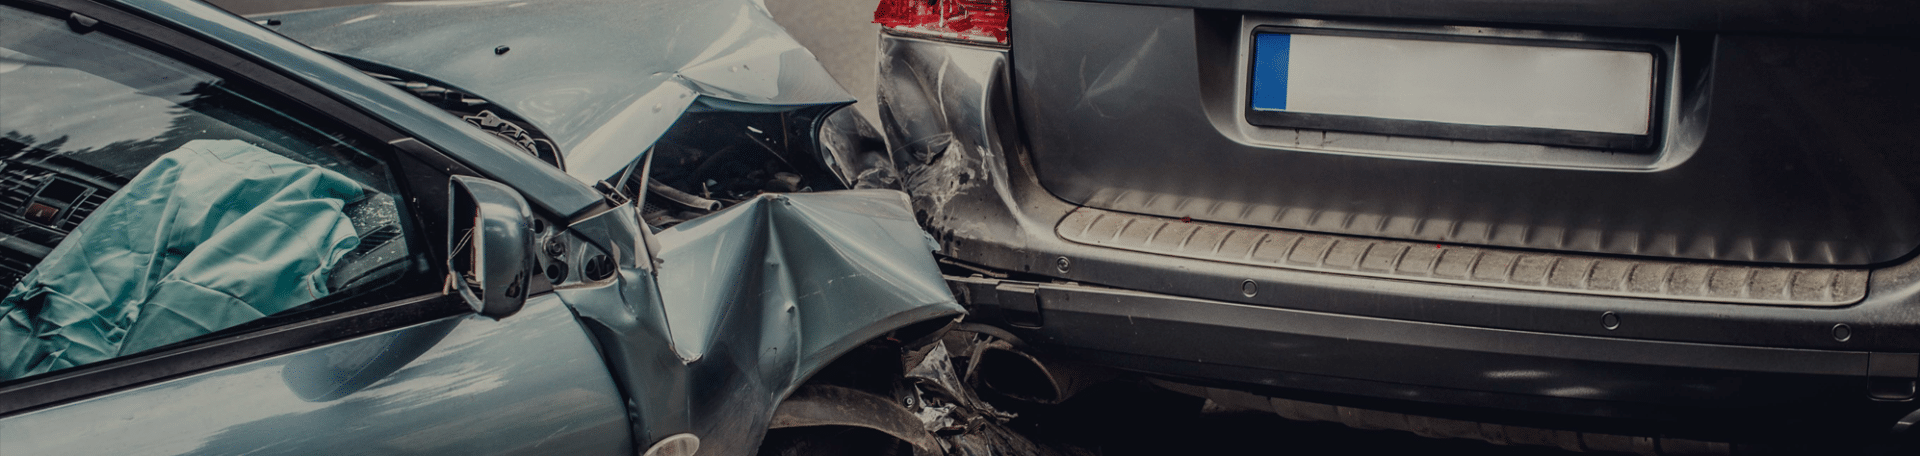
(1436, 427)
(1453, 264)
(1069, 302)
(1289, 342)
(1732, 388)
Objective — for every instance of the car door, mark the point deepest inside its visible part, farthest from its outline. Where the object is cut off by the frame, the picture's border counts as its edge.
(204, 257)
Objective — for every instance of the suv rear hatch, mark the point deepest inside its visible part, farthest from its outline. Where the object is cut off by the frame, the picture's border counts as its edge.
(1772, 132)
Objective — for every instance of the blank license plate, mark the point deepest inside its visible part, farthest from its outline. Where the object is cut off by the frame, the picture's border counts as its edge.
(1464, 83)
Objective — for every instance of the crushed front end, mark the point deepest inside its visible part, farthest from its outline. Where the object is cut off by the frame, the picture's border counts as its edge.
(729, 262)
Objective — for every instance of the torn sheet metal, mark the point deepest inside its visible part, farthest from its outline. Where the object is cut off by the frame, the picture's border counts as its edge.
(752, 301)
(951, 409)
(944, 403)
(937, 108)
(827, 405)
(855, 152)
(211, 235)
(604, 78)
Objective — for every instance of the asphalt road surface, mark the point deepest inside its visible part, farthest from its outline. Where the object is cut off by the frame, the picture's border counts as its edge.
(1118, 420)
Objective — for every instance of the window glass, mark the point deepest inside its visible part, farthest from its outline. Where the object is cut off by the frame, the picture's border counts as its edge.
(144, 202)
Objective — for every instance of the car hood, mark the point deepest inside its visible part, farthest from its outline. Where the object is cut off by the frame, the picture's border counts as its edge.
(603, 78)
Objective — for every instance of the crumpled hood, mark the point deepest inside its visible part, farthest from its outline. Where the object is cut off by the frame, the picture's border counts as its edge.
(603, 78)
(752, 301)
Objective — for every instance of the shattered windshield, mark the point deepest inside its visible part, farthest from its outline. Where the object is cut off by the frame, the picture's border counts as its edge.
(144, 202)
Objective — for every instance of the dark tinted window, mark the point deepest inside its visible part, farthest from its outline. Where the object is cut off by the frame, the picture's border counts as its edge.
(144, 201)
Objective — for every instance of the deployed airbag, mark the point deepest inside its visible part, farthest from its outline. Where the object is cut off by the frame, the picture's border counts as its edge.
(212, 235)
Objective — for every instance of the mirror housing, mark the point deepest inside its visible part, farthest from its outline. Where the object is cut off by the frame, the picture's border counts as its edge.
(489, 245)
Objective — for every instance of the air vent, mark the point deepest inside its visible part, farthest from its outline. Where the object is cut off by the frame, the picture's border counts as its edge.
(12, 268)
(83, 209)
(17, 183)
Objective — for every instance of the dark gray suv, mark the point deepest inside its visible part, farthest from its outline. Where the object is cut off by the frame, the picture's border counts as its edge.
(1655, 227)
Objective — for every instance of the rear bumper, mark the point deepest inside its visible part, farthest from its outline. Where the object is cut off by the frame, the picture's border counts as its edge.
(1667, 365)
(1626, 386)
(1152, 117)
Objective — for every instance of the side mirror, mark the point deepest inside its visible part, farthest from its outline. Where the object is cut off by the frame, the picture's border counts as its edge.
(490, 245)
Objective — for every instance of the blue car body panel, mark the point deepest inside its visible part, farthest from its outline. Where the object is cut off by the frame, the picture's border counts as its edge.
(530, 384)
(604, 77)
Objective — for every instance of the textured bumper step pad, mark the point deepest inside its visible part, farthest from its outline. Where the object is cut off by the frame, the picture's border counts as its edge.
(1583, 274)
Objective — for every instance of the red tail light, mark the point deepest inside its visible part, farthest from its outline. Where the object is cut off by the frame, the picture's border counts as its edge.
(983, 21)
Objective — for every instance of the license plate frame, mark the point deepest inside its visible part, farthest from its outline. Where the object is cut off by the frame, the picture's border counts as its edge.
(1656, 102)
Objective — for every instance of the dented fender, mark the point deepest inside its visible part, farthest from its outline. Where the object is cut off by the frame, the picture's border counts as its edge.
(750, 302)
(946, 110)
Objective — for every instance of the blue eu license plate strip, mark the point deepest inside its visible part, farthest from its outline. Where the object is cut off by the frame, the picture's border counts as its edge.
(1270, 57)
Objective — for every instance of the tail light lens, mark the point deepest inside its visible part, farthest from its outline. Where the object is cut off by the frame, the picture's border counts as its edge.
(980, 21)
